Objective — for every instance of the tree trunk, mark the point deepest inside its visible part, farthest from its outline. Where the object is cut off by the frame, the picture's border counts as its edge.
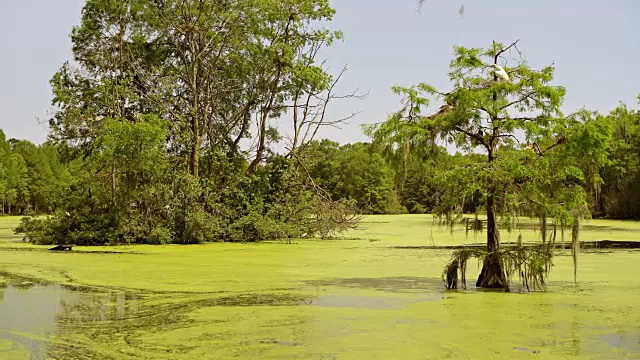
(113, 185)
(543, 228)
(575, 248)
(194, 158)
(492, 275)
(253, 166)
(266, 111)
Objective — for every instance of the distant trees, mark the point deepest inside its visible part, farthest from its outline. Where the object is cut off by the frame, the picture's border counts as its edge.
(164, 130)
(618, 196)
(363, 174)
(355, 172)
(32, 177)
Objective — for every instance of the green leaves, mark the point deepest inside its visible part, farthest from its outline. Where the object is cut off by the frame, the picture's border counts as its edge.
(617, 191)
(546, 177)
(133, 147)
(161, 103)
(352, 172)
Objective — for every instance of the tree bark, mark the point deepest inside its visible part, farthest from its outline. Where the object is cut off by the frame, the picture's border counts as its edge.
(253, 166)
(492, 275)
(575, 248)
(543, 228)
(113, 185)
(194, 158)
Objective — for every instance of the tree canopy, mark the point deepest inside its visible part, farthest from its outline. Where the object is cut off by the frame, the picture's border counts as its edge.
(496, 101)
(168, 112)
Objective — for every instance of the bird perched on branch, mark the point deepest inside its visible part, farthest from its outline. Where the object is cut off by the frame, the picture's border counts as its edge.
(500, 72)
(534, 146)
(441, 111)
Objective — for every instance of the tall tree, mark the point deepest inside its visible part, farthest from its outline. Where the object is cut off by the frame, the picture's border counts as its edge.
(206, 69)
(487, 109)
(5, 150)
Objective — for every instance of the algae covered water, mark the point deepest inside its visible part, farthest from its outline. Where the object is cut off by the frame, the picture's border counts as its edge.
(341, 299)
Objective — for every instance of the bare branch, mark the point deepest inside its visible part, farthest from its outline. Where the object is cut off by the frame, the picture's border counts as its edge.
(521, 118)
(503, 50)
(313, 115)
(527, 96)
(561, 140)
(509, 135)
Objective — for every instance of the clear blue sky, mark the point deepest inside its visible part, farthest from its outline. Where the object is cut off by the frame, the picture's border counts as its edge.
(593, 44)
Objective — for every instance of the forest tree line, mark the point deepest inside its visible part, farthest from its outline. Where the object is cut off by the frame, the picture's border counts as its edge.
(380, 181)
(164, 131)
(35, 178)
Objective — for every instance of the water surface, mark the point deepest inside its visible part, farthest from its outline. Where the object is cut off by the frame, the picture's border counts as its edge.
(343, 299)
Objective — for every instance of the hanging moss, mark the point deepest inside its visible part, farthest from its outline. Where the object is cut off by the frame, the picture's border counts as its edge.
(530, 264)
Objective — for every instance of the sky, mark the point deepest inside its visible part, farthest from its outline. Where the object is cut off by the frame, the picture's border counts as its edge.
(386, 42)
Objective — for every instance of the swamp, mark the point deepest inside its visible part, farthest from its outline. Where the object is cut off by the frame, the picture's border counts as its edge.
(319, 179)
(377, 293)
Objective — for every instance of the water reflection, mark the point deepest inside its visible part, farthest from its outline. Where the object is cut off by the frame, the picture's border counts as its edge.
(51, 321)
(44, 320)
(34, 314)
(624, 340)
(26, 307)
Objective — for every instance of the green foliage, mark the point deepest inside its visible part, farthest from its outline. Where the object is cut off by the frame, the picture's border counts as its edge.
(486, 113)
(530, 264)
(31, 177)
(160, 235)
(353, 172)
(153, 117)
(619, 193)
(153, 137)
(36, 230)
(200, 227)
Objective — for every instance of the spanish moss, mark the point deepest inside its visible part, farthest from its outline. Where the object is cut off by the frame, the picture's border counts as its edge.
(530, 264)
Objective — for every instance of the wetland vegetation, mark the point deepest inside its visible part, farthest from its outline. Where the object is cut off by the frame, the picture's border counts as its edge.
(195, 235)
(320, 299)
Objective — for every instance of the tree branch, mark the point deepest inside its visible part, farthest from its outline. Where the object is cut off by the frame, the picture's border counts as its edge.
(515, 102)
(561, 140)
(472, 135)
(502, 51)
(509, 135)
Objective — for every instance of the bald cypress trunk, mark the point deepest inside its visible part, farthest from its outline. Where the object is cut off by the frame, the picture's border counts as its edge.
(492, 275)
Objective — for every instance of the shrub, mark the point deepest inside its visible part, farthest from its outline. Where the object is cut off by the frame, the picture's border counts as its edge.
(160, 235)
(200, 227)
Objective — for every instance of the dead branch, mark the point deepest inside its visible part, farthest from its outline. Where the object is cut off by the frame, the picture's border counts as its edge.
(509, 135)
(335, 212)
(308, 122)
(561, 140)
